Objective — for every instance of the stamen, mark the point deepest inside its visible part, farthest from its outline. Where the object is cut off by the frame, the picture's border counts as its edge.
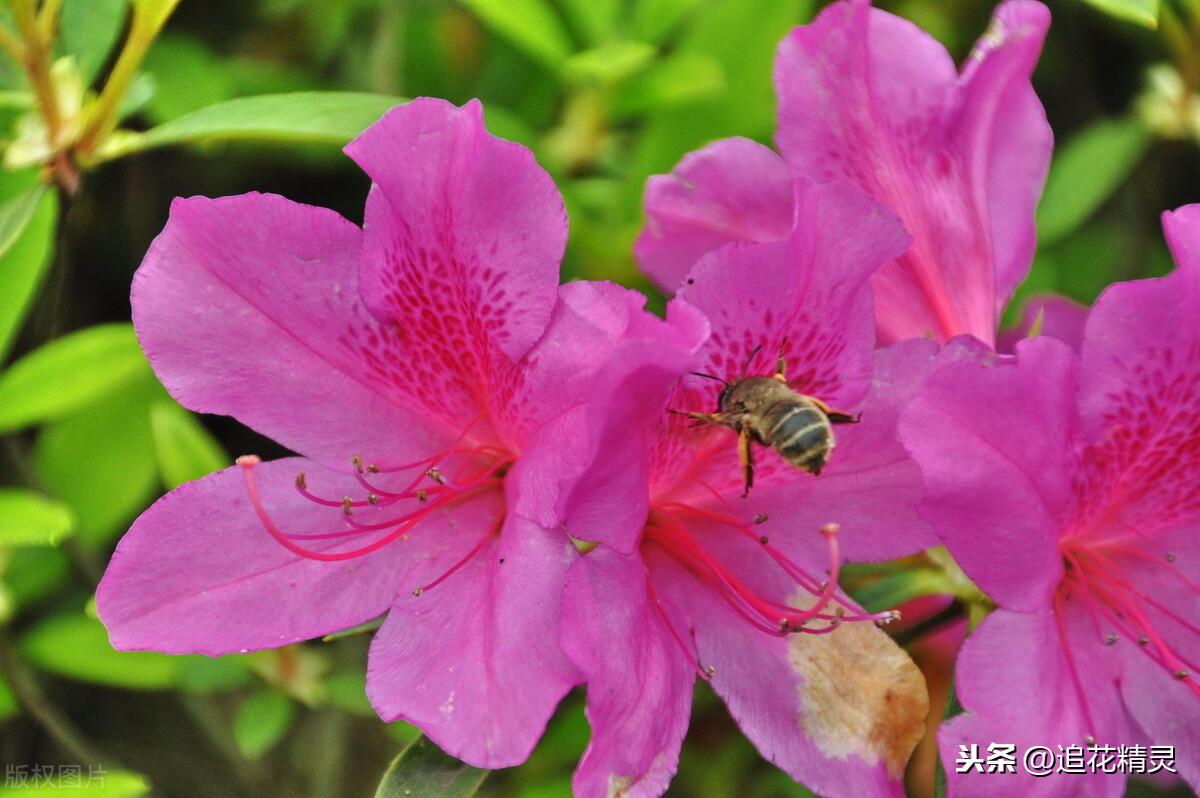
(469, 556)
(693, 657)
(766, 615)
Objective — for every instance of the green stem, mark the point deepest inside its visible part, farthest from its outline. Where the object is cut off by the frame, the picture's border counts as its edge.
(149, 16)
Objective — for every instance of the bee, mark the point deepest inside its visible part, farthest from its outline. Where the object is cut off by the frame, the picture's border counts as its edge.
(767, 411)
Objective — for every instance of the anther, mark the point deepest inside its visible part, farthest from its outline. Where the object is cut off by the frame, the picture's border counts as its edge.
(1170, 557)
(373, 498)
(1111, 638)
(372, 469)
(1143, 641)
(422, 496)
(761, 518)
(436, 476)
(1182, 674)
(710, 670)
(888, 617)
(764, 540)
(502, 561)
(417, 591)
(301, 482)
(1089, 740)
(358, 464)
(347, 505)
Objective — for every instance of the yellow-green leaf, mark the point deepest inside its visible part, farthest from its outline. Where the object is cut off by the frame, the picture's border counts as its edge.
(185, 450)
(28, 519)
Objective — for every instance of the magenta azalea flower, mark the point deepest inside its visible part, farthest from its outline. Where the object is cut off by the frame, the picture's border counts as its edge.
(868, 97)
(692, 580)
(427, 368)
(1068, 487)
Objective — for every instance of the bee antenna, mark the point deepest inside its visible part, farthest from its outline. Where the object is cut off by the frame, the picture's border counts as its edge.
(708, 376)
(750, 357)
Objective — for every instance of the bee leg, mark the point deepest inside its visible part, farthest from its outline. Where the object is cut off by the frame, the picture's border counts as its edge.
(701, 419)
(781, 363)
(746, 458)
(834, 416)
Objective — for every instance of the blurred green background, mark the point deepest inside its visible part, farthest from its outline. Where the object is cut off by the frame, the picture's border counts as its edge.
(606, 92)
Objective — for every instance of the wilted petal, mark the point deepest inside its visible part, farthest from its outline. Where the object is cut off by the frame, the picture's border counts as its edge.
(639, 681)
(198, 572)
(732, 190)
(475, 661)
(248, 306)
(839, 712)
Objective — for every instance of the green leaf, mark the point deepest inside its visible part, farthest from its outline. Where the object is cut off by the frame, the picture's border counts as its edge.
(185, 449)
(101, 460)
(76, 646)
(307, 117)
(261, 722)
(24, 260)
(609, 63)
(595, 19)
(68, 373)
(531, 25)
(1086, 172)
(88, 29)
(423, 769)
(35, 574)
(654, 19)
(1142, 12)
(16, 213)
(214, 674)
(892, 591)
(187, 76)
(347, 691)
(27, 519)
(676, 81)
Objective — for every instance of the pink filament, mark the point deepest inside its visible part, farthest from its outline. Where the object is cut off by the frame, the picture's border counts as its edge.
(1109, 593)
(666, 530)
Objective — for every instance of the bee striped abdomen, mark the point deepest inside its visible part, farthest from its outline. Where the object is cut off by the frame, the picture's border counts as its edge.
(801, 434)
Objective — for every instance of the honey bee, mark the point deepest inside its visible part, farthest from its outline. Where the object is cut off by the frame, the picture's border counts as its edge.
(767, 411)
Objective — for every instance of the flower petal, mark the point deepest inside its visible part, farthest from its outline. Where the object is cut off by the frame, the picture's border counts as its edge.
(870, 98)
(1015, 682)
(1140, 387)
(606, 498)
(247, 306)
(475, 661)
(809, 288)
(871, 487)
(198, 573)
(732, 190)
(840, 712)
(996, 447)
(1052, 315)
(463, 237)
(1001, 129)
(639, 682)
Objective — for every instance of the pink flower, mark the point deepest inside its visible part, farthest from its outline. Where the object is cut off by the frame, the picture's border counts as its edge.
(690, 579)
(429, 369)
(867, 97)
(1067, 485)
